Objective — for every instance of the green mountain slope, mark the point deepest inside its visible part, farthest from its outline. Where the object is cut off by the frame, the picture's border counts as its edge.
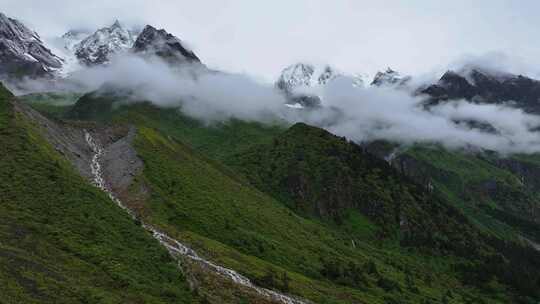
(309, 167)
(484, 186)
(62, 240)
(325, 176)
(308, 213)
(259, 236)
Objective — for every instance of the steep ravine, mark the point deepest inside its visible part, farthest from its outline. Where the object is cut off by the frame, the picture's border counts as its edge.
(176, 248)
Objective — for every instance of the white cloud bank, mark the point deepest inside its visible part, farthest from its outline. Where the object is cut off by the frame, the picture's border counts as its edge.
(359, 113)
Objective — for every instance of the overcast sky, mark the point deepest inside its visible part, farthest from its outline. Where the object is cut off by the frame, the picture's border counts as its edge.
(262, 37)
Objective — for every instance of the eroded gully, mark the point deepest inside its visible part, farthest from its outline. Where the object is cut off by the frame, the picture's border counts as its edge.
(176, 248)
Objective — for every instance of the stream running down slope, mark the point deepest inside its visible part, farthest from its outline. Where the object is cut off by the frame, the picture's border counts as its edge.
(176, 248)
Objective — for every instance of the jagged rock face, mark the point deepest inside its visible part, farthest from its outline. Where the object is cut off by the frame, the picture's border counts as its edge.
(485, 87)
(22, 53)
(154, 42)
(99, 47)
(390, 78)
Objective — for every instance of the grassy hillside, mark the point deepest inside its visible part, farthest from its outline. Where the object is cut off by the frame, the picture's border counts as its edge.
(486, 187)
(308, 213)
(238, 226)
(325, 176)
(307, 166)
(62, 240)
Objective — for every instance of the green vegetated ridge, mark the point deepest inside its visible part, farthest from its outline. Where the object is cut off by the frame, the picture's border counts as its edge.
(303, 211)
(324, 175)
(62, 240)
(488, 188)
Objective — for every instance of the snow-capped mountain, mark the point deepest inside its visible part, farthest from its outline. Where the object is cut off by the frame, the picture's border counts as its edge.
(390, 78)
(105, 42)
(301, 75)
(23, 53)
(296, 75)
(297, 79)
(154, 42)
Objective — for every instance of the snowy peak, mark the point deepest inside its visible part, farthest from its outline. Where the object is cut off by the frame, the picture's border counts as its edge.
(390, 78)
(296, 75)
(100, 46)
(296, 82)
(22, 53)
(154, 42)
(303, 75)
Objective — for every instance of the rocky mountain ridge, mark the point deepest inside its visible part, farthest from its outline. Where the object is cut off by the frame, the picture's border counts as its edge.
(160, 43)
(23, 53)
(99, 47)
(482, 86)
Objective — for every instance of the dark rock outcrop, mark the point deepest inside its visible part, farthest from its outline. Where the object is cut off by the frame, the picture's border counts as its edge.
(160, 43)
(487, 87)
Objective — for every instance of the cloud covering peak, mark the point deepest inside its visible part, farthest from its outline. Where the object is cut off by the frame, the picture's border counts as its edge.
(361, 113)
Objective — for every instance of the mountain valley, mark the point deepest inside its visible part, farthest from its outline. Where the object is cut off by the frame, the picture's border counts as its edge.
(109, 195)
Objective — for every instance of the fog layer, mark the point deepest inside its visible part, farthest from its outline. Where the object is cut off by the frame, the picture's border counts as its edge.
(359, 113)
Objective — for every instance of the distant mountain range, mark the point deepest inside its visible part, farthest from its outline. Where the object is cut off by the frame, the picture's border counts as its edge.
(24, 54)
(108, 196)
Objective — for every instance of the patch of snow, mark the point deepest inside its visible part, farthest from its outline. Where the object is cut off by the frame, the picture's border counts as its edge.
(294, 106)
(30, 57)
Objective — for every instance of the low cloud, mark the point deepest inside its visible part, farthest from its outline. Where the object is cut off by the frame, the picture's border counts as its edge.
(383, 113)
(359, 113)
(204, 94)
